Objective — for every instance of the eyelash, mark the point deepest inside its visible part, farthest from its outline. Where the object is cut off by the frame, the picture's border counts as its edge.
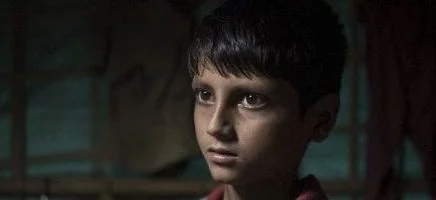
(197, 93)
(257, 97)
(240, 99)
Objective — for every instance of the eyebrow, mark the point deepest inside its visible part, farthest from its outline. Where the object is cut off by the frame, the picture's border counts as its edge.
(243, 88)
(197, 83)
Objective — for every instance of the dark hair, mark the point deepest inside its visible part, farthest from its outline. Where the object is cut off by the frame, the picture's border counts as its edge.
(298, 41)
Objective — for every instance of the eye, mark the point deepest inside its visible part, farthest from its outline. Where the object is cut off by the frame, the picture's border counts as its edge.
(253, 101)
(203, 96)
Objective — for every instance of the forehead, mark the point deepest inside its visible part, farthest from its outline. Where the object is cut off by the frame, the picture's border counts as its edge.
(213, 77)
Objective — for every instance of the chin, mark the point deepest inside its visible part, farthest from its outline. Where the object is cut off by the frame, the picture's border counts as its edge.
(224, 175)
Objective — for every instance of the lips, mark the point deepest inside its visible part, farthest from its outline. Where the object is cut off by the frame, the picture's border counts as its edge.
(222, 156)
(222, 151)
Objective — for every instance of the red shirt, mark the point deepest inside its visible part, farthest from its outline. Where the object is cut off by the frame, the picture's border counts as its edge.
(310, 189)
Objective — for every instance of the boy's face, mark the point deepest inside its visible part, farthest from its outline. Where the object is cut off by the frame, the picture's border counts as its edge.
(248, 129)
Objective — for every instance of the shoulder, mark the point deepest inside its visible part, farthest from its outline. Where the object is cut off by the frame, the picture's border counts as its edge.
(216, 194)
(311, 189)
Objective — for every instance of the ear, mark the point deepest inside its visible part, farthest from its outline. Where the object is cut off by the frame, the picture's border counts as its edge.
(322, 116)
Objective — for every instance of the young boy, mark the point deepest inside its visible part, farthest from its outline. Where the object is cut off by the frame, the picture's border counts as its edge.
(266, 76)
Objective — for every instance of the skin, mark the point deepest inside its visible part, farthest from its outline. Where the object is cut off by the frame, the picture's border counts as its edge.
(258, 118)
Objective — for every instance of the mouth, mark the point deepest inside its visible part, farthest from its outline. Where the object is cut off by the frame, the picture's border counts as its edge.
(222, 151)
(222, 156)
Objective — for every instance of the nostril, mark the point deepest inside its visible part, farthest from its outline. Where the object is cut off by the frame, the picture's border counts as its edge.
(222, 130)
(225, 134)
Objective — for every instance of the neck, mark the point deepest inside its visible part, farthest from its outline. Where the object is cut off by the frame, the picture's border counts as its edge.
(279, 189)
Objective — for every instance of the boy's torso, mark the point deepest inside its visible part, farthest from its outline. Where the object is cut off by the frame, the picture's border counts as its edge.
(310, 189)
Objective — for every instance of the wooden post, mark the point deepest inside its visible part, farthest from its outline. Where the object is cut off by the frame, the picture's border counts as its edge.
(18, 93)
(105, 32)
(399, 190)
(96, 128)
(353, 46)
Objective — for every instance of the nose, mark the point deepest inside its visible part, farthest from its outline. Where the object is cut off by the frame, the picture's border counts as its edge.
(220, 125)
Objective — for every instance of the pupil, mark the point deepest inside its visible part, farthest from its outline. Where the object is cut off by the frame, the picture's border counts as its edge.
(251, 99)
(205, 95)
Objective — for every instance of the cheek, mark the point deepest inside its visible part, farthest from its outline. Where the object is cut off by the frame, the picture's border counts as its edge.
(200, 122)
(275, 140)
(291, 139)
